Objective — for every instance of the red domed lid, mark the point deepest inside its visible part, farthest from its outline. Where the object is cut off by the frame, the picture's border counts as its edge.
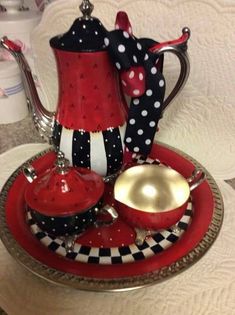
(64, 190)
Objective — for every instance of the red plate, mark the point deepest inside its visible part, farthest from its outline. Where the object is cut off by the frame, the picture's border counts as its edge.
(16, 235)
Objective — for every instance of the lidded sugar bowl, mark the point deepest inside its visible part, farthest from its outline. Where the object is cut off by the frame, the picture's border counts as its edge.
(63, 200)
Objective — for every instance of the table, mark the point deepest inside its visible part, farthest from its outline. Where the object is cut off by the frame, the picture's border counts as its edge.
(200, 122)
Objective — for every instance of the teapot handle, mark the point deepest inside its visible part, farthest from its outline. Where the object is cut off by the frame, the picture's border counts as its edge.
(179, 48)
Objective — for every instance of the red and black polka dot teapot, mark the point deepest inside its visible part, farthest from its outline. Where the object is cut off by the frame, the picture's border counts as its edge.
(93, 125)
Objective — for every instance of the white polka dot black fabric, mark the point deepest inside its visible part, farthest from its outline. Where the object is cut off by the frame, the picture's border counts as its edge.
(126, 52)
(123, 49)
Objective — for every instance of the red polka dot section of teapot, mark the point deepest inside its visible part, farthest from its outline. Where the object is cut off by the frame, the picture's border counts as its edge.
(90, 93)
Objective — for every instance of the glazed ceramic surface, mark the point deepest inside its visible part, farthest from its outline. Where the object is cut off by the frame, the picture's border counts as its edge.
(56, 194)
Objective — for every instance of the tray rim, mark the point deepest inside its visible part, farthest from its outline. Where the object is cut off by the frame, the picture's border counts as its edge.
(119, 284)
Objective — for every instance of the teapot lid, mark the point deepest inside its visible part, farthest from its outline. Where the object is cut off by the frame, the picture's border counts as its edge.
(85, 35)
(64, 190)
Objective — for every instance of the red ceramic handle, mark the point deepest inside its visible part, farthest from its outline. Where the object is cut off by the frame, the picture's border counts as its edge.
(182, 40)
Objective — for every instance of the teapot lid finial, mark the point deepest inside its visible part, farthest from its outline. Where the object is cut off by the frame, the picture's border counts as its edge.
(86, 8)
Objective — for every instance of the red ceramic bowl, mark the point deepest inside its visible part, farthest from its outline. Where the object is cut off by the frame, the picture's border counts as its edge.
(153, 197)
(150, 221)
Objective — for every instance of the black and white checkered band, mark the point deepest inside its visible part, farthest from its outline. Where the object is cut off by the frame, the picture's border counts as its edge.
(137, 158)
(115, 255)
(101, 151)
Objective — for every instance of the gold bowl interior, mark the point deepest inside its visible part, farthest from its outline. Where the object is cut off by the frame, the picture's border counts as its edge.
(151, 188)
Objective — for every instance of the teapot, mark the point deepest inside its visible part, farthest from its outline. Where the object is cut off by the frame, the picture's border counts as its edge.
(93, 124)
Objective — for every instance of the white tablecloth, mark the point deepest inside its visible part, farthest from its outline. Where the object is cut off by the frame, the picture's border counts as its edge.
(201, 122)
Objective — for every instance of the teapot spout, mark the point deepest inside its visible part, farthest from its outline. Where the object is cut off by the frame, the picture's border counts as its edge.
(42, 118)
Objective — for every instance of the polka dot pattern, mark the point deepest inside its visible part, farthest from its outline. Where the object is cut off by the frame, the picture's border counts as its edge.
(125, 34)
(143, 81)
(157, 104)
(121, 48)
(149, 92)
(135, 79)
(135, 59)
(67, 225)
(118, 66)
(81, 149)
(84, 35)
(136, 92)
(141, 76)
(161, 83)
(145, 84)
(132, 121)
(113, 150)
(132, 74)
(146, 110)
(106, 41)
(153, 70)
